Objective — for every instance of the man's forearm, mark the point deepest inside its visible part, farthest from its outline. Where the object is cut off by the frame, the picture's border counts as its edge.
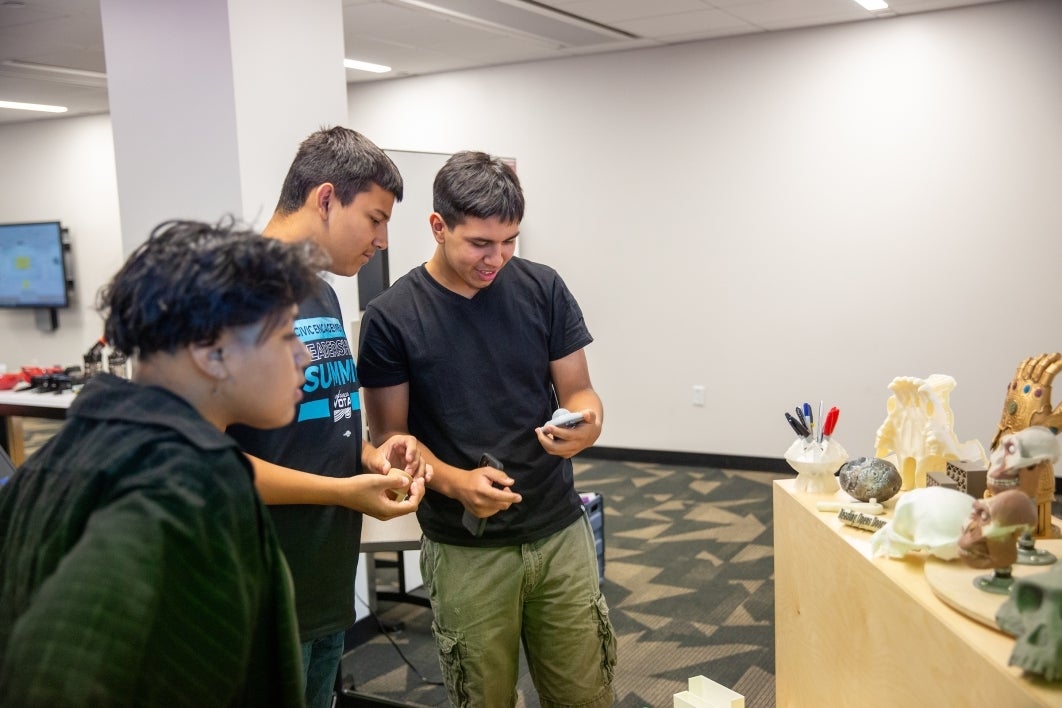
(278, 485)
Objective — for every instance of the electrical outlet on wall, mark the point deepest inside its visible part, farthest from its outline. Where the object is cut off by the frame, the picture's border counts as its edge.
(698, 395)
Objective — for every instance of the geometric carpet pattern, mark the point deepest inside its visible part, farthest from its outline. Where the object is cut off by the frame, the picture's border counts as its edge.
(689, 580)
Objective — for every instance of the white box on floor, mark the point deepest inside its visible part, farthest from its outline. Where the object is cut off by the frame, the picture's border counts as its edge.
(705, 693)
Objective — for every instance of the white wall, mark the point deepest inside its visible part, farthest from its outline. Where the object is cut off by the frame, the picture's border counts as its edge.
(62, 169)
(782, 217)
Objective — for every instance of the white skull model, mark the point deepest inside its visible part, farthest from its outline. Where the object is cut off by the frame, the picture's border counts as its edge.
(1033, 613)
(1017, 451)
(919, 429)
(925, 519)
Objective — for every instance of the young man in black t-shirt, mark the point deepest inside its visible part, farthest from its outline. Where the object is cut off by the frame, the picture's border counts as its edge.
(472, 353)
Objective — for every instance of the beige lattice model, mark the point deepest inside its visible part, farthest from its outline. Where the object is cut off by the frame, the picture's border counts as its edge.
(1028, 404)
(918, 429)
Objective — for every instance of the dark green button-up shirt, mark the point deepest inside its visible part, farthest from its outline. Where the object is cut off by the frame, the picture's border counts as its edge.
(139, 567)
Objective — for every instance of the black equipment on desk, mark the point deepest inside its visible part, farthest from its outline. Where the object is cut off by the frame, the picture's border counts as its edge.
(56, 383)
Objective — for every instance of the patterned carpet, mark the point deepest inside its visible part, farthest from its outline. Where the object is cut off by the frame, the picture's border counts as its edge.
(689, 581)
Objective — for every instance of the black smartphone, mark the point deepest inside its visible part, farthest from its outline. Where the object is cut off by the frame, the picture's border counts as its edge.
(470, 521)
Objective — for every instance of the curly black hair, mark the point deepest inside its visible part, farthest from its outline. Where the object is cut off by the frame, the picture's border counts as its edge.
(190, 280)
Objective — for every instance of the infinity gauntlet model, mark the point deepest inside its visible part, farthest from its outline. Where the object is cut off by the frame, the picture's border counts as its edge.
(1028, 403)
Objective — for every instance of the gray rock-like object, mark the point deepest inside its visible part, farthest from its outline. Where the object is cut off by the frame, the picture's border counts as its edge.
(867, 478)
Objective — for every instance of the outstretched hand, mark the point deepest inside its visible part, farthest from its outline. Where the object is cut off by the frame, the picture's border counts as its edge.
(399, 452)
(1028, 401)
(384, 496)
(398, 458)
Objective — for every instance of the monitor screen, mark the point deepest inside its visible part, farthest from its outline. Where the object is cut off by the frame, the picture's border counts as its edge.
(32, 267)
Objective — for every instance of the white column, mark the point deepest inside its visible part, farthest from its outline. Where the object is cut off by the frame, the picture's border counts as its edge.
(210, 98)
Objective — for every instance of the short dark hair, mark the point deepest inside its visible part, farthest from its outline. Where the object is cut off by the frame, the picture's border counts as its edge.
(477, 185)
(345, 158)
(190, 280)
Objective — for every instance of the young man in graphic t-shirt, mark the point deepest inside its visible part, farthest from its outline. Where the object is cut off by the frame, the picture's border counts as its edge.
(339, 193)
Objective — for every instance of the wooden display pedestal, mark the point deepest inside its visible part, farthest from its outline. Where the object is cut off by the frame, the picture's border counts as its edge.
(852, 630)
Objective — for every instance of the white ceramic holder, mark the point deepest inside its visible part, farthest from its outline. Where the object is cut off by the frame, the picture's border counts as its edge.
(816, 464)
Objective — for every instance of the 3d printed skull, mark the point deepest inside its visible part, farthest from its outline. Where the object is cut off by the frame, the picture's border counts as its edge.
(919, 429)
(1018, 451)
(1033, 614)
(990, 537)
(926, 519)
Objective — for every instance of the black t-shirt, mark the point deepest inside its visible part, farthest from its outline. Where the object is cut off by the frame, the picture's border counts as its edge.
(479, 381)
(321, 542)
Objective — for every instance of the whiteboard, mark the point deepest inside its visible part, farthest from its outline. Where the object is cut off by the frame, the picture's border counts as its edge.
(409, 238)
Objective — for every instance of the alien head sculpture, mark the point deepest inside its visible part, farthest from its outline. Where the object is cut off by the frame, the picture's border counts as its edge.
(1020, 451)
(990, 537)
(1033, 614)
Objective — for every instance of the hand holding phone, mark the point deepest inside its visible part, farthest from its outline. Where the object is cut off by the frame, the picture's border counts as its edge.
(470, 521)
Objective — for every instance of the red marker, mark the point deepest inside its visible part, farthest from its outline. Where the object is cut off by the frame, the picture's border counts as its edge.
(830, 423)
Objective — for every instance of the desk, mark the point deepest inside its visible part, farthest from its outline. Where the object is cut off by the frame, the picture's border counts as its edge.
(396, 535)
(27, 404)
(852, 630)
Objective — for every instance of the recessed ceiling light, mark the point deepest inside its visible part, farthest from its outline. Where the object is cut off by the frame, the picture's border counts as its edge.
(51, 69)
(366, 66)
(873, 5)
(32, 107)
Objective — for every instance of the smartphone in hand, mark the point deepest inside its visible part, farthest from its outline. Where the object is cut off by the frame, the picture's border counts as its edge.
(563, 418)
(470, 521)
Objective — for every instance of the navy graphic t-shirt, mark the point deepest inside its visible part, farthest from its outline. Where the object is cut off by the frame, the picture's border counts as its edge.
(321, 542)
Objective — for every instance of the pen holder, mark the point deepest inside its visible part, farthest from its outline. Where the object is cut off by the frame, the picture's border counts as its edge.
(816, 464)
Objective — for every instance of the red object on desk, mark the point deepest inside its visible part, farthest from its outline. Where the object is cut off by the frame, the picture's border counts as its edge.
(9, 380)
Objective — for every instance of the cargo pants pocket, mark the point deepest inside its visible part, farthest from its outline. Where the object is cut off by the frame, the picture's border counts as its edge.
(451, 649)
(607, 637)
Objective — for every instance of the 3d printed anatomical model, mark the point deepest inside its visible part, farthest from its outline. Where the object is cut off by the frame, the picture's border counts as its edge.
(1016, 465)
(990, 537)
(1028, 404)
(1015, 461)
(918, 429)
(929, 519)
(1033, 614)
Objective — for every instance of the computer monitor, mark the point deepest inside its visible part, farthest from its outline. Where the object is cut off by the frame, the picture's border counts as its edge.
(33, 266)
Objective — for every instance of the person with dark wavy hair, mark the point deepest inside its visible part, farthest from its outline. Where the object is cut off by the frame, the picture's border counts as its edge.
(138, 565)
